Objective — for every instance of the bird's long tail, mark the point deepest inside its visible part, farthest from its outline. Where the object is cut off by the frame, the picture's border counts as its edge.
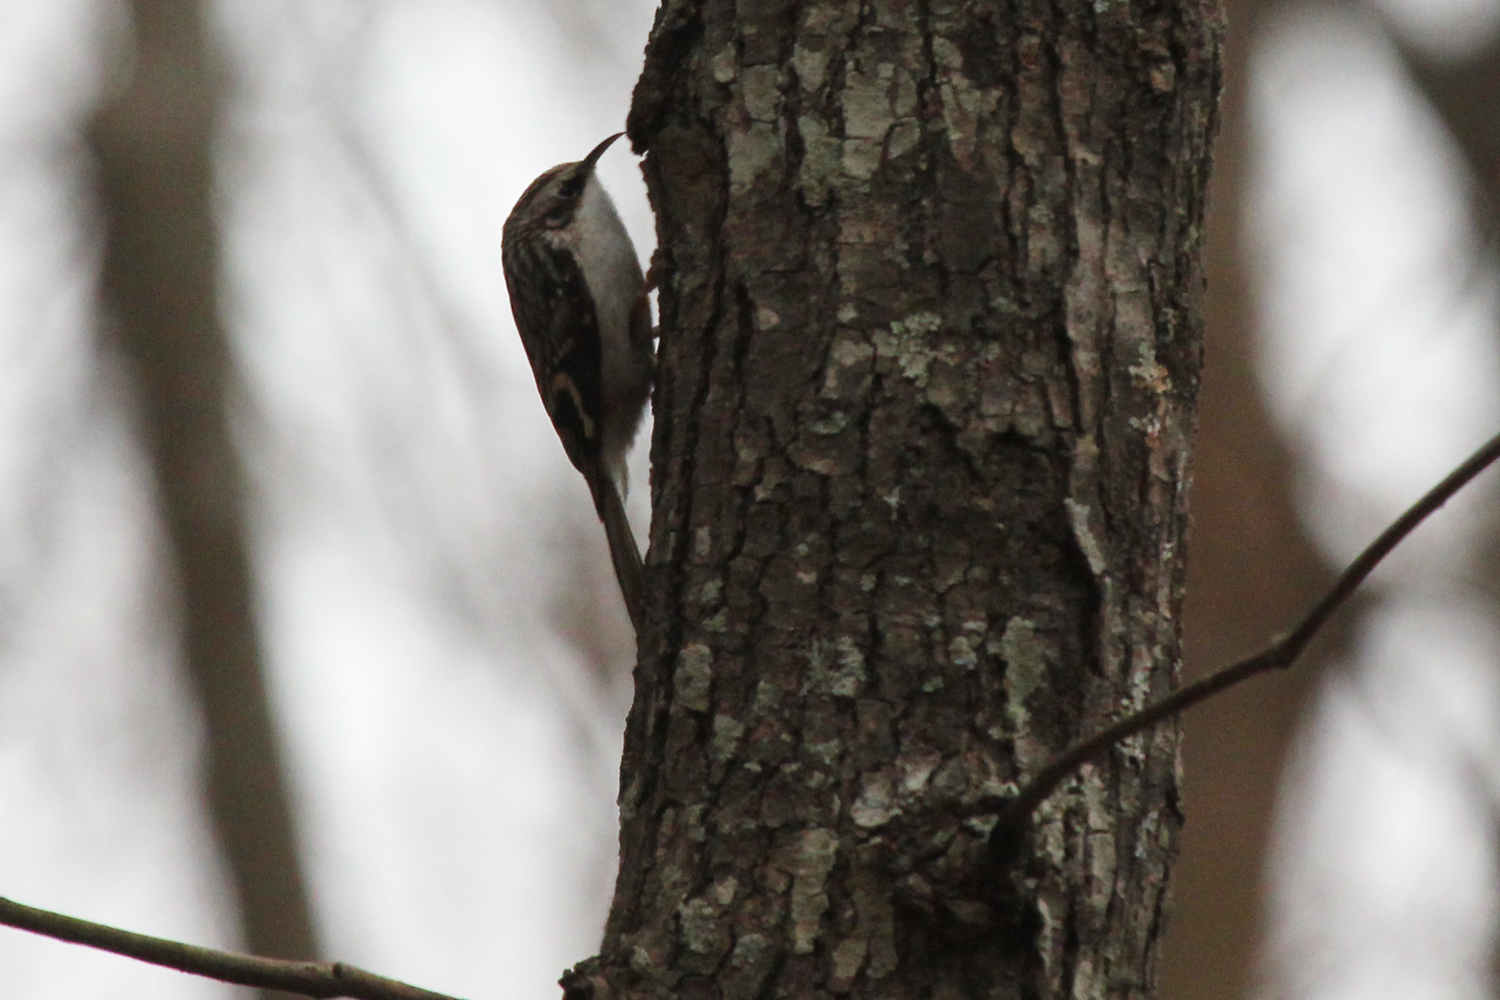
(629, 571)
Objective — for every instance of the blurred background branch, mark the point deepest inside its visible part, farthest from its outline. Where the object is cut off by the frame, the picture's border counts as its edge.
(154, 147)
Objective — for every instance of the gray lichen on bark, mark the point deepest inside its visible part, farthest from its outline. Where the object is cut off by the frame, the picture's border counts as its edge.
(929, 353)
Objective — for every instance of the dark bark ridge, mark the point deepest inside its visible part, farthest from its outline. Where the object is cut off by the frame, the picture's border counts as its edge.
(930, 346)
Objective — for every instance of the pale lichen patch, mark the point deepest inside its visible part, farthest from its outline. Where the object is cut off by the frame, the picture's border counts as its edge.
(862, 157)
(767, 698)
(962, 102)
(693, 677)
(749, 950)
(1044, 248)
(1147, 371)
(725, 63)
(867, 104)
(808, 857)
(750, 963)
(961, 651)
(1025, 668)
(810, 65)
(847, 372)
(1101, 866)
(908, 344)
(1088, 542)
(724, 890)
(904, 137)
(752, 152)
(848, 959)
(842, 674)
(826, 751)
(876, 804)
(727, 731)
(760, 90)
(822, 159)
(915, 768)
(773, 474)
(699, 923)
(832, 423)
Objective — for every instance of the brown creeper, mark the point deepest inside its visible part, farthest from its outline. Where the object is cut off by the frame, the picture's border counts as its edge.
(580, 305)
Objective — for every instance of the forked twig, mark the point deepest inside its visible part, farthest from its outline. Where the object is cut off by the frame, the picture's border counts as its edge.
(1006, 837)
(313, 979)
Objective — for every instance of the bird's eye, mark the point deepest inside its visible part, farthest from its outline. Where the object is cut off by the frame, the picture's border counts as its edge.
(569, 188)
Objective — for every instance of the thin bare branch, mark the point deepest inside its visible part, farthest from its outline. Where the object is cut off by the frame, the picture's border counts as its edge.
(1007, 836)
(313, 979)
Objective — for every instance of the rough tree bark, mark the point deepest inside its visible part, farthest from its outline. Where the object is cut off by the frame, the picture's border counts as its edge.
(930, 346)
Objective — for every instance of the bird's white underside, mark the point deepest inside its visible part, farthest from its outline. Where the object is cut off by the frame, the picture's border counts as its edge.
(603, 250)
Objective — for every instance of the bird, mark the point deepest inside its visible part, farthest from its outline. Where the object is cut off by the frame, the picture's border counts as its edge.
(581, 307)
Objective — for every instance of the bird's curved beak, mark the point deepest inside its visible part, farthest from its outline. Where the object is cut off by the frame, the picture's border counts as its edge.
(598, 151)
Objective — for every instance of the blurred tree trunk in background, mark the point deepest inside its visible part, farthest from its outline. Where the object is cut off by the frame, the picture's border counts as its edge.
(930, 346)
(1251, 570)
(1466, 95)
(1252, 567)
(154, 146)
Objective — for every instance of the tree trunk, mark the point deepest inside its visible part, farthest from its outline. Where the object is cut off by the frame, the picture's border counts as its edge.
(930, 346)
